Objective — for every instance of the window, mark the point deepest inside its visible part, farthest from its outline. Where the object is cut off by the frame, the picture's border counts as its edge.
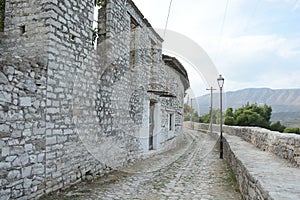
(2, 15)
(171, 122)
(133, 25)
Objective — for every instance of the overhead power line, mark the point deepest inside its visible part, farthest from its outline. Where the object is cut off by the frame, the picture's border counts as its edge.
(222, 28)
(169, 11)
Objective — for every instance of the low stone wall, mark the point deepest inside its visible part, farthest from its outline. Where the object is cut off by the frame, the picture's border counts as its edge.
(255, 156)
(284, 145)
(249, 187)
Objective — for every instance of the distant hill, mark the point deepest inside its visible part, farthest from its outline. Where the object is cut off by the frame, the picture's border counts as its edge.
(284, 102)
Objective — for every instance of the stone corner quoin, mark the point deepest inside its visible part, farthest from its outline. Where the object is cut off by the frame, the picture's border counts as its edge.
(68, 109)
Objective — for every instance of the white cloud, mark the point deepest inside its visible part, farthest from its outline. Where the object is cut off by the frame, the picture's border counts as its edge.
(297, 6)
(251, 37)
(246, 47)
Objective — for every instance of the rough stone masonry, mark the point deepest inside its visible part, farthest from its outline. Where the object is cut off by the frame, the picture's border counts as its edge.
(68, 109)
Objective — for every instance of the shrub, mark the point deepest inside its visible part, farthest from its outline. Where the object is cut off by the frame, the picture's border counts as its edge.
(277, 126)
(292, 130)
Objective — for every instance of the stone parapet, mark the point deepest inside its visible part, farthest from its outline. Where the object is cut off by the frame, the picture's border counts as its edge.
(284, 145)
(260, 173)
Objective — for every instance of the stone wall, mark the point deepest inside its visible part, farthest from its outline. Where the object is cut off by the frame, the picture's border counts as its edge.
(249, 186)
(23, 82)
(259, 174)
(284, 145)
(68, 110)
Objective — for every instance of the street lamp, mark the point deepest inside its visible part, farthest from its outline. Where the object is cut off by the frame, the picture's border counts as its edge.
(221, 83)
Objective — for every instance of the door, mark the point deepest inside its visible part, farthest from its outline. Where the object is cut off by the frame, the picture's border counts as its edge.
(151, 124)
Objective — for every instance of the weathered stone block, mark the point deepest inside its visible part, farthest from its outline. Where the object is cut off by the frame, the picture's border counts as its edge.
(4, 128)
(9, 70)
(33, 159)
(27, 183)
(52, 110)
(16, 134)
(51, 140)
(5, 97)
(28, 147)
(5, 194)
(21, 160)
(13, 175)
(41, 157)
(26, 171)
(38, 169)
(5, 151)
(25, 101)
(3, 79)
(27, 133)
(5, 165)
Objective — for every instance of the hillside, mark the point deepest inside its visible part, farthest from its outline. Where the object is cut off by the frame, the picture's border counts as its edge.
(285, 102)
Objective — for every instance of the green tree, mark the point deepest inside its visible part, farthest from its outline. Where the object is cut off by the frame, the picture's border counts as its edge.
(205, 118)
(188, 109)
(2, 15)
(215, 117)
(229, 117)
(249, 115)
(277, 126)
(190, 114)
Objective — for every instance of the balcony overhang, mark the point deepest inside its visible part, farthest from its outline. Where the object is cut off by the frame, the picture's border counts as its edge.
(162, 93)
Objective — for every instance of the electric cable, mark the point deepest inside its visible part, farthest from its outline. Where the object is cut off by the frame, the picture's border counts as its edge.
(169, 11)
(222, 29)
(250, 19)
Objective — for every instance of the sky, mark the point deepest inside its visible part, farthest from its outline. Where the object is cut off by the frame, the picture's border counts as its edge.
(252, 43)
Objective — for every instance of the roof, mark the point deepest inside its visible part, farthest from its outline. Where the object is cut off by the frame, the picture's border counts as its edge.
(175, 64)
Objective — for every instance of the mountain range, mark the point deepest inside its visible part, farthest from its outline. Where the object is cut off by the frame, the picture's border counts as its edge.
(285, 103)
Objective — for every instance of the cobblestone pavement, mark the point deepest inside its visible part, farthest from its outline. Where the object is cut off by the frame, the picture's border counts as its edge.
(192, 171)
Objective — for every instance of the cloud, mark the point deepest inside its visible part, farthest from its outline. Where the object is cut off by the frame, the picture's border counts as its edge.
(259, 45)
(297, 5)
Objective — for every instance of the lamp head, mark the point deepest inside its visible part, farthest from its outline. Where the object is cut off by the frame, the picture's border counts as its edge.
(220, 81)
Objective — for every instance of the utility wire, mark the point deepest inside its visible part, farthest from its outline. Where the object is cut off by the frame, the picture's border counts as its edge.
(169, 11)
(222, 28)
(251, 17)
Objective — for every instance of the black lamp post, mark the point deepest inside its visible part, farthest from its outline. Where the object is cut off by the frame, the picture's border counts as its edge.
(221, 83)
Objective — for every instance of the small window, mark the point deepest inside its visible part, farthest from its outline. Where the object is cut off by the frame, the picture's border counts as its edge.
(2, 15)
(171, 122)
(22, 29)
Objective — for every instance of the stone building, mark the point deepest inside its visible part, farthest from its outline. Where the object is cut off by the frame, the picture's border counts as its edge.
(68, 110)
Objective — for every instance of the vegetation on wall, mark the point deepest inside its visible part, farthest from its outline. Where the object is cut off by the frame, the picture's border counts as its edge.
(2, 15)
(292, 130)
(99, 3)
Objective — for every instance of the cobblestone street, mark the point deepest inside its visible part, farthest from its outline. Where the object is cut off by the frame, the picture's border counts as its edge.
(191, 171)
